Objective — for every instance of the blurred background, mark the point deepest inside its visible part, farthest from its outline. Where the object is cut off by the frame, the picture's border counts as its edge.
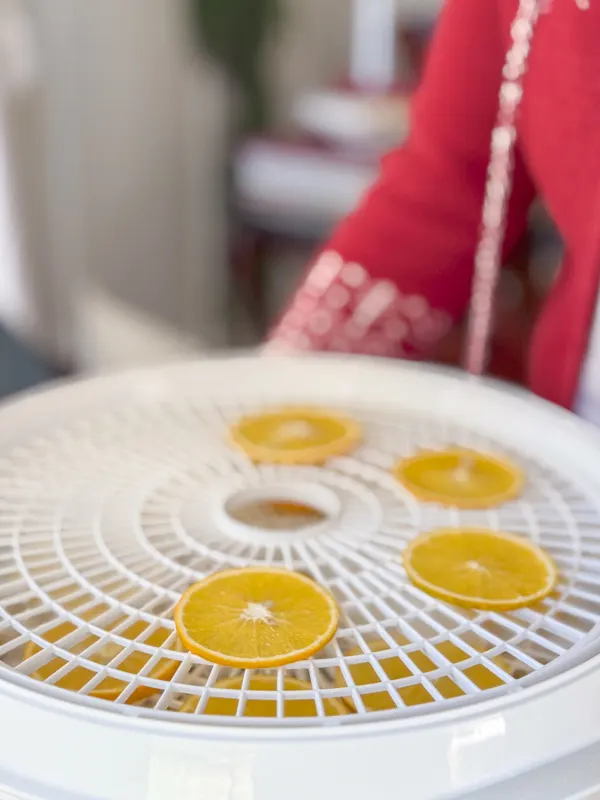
(167, 168)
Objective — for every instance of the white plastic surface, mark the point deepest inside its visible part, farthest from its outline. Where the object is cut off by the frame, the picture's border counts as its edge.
(104, 471)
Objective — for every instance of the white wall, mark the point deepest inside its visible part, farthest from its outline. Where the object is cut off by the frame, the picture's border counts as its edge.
(15, 300)
(152, 163)
(44, 171)
(151, 120)
(417, 9)
(311, 49)
(154, 124)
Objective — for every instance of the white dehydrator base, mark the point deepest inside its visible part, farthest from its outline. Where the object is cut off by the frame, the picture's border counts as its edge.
(89, 754)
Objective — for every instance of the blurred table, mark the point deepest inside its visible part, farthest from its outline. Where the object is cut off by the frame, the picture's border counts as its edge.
(287, 194)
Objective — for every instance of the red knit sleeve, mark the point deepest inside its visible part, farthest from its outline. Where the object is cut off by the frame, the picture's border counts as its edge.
(397, 272)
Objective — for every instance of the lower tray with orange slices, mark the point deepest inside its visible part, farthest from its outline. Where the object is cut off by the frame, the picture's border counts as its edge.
(322, 547)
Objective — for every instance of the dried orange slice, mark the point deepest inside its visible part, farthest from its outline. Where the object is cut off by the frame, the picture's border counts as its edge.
(296, 436)
(480, 568)
(256, 618)
(364, 675)
(110, 688)
(226, 707)
(277, 515)
(460, 478)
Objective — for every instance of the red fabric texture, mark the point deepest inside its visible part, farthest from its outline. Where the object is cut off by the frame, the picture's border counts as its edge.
(414, 235)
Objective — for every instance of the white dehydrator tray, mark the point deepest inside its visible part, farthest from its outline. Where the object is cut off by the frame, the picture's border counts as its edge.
(112, 497)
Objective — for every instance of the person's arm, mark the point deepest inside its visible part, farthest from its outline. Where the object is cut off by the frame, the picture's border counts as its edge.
(397, 272)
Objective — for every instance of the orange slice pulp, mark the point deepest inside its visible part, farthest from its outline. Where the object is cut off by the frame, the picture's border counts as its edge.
(460, 478)
(478, 568)
(296, 436)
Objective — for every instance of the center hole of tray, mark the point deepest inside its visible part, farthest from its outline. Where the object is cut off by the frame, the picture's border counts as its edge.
(280, 508)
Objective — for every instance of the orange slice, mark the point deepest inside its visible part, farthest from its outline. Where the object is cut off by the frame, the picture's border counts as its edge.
(110, 688)
(396, 669)
(277, 515)
(256, 618)
(481, 569)
(296, 436)
(461, 478)
(226, 707)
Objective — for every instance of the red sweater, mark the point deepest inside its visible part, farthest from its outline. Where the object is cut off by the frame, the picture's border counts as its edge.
(397, 273)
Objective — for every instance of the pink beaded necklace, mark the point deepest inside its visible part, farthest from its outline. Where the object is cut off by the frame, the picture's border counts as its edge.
(488, 257)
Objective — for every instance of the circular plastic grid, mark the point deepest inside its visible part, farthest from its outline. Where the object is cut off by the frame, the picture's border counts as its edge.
(106, 519)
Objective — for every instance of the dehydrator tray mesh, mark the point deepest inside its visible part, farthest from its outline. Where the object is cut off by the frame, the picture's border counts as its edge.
(108, 514)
